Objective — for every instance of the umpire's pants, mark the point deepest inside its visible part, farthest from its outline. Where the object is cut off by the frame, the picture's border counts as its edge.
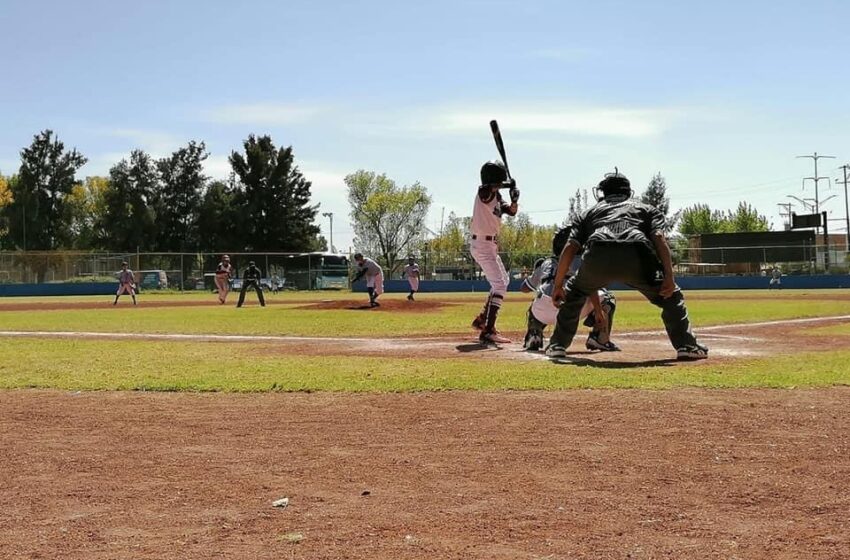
(634, 265)
(245, 286)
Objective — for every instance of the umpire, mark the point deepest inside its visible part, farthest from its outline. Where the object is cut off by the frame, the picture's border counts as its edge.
(251, 279)
(623, 240)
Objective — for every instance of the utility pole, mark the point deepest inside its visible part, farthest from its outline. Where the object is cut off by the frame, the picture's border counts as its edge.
(330, 215)
(786, 213)
(846, 167)
(815, 157)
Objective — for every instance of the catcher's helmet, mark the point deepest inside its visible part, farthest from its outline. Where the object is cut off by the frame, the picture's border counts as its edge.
(560, 240)
(493, 173)
(613, 184)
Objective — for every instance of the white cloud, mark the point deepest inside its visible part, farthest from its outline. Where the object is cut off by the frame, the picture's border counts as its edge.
(582, 121)
(156, 143)
(261, 113)
(217, 167)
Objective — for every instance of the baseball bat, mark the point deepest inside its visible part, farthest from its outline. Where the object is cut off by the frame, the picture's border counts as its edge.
(500, 145)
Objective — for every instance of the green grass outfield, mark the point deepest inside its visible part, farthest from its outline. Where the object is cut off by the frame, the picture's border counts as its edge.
(245, 367)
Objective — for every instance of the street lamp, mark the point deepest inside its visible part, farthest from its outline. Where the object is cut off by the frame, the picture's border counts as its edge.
(330, 215)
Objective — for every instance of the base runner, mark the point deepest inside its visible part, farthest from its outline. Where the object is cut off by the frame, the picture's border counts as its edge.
(126, 283)
(484, 246)
(223, 275)
(411, 272)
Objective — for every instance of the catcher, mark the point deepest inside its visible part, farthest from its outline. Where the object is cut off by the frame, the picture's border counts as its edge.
(598, 309)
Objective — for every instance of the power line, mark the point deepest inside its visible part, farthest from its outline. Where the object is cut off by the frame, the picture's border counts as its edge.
(815, 157)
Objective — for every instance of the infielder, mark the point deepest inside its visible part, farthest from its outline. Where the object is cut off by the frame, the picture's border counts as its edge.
(542, 313)
(623, 240)
(251, 279)
(484, 246)
(223, 274)
(411, 272)
(126, 283)
(374, 277)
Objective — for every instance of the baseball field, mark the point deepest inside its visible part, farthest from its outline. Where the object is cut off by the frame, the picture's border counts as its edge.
(393, 434)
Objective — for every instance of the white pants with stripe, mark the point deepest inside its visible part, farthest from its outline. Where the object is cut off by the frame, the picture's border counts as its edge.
(486, 254)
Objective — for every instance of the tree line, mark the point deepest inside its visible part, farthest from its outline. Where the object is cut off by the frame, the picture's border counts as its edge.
(162, 204)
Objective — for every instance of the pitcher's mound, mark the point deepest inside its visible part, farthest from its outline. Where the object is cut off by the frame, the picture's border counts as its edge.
(421, 306)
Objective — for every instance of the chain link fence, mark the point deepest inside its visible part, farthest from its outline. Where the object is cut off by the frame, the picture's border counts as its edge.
(315, 271)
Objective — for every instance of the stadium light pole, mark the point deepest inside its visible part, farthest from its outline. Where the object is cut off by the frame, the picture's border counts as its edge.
(330, 216)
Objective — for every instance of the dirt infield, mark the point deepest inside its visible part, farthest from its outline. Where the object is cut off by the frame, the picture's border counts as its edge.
(583, 474)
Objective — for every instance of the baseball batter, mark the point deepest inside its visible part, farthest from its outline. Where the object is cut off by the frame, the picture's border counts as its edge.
(411, 272)
(486, 224)
(126, 284)
(542, 313)
(223, 274)
(374, 277)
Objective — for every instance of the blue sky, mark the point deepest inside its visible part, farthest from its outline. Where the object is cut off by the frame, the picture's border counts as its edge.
(717, 96)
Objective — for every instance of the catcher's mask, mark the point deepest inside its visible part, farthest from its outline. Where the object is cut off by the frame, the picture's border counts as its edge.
(613, 184)
(493, 173)
(560, 240)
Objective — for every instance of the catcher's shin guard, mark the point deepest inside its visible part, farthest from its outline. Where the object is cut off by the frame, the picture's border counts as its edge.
(534, 333)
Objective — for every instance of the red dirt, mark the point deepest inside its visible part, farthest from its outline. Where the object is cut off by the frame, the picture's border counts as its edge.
(696, 474)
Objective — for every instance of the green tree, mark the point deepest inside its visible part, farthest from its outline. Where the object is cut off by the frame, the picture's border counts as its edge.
(129, 221)
(699, 218)
(177, 198)
(388, 220)
(453, 238)
(37, 214)
(5, 201)
(273, 199)
(746, 218)
(86, 210)
(218, 218)
(656, 195)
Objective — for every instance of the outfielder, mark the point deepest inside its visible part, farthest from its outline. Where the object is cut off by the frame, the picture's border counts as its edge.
(411, 272)
(126, 283)
(542, 313)
(374, 277)
(223, 274)
(484, 246)
(622, 240)
(251, 279)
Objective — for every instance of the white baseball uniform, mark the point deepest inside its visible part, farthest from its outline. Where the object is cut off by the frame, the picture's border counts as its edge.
(411, 272)
(374, 275)
(484, 246)
(540, 282)
(125, 283)
(223, 274)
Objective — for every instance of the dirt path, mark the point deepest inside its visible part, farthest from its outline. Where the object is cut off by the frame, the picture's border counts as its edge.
(582, 474)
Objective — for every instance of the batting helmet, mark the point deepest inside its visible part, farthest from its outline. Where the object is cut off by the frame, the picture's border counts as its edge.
(493, 173)
(613, 184)
(560, 240)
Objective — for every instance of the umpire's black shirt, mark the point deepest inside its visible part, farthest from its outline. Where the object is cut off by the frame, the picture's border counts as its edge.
(618, 220)
(252, 274)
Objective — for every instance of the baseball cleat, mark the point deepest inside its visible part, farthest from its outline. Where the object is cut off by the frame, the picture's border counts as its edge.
(493, 338)
(374, 304)
(555, 351)
(697, 352)
(478, 323)
(594, 344)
